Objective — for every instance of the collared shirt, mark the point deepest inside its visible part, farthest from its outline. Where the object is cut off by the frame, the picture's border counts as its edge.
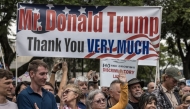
(170, 96)
(28, 97)
(81, 105)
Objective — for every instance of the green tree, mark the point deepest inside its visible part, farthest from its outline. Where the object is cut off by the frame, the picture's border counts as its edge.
(175, 29)
(167, 58)
(146, 73)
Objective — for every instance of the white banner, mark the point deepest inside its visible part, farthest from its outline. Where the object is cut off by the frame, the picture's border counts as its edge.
(109, 70)
(121, 32)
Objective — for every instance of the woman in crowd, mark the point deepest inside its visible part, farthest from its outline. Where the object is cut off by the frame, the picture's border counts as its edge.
(90, 87)
(49, 87)
(97, 100)
(21, 86)
(185, 102)
(147, 101)
(70, 97)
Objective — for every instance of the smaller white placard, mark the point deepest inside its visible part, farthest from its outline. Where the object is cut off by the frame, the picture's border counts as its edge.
(109, 70)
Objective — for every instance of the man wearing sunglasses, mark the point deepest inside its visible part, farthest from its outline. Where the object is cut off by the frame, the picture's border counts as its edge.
(166, 96)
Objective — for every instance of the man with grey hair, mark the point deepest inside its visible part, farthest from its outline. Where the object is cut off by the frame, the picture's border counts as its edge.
(166, 96)
(186, 90)
(114, 92)
(151, 86)
(82, 82)
(135, 90)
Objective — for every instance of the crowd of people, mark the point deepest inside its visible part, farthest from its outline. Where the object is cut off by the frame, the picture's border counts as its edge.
(79, 93)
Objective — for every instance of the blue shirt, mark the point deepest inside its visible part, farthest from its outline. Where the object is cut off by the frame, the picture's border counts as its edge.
(81, 105)
(28, 97)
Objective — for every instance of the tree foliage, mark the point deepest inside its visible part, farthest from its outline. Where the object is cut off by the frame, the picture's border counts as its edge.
(167, 58)
(175, 29)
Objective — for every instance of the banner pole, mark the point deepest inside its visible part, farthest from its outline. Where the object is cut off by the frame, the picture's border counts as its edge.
(16, 67)
(2, 58)
(156, 77)
(157, 64)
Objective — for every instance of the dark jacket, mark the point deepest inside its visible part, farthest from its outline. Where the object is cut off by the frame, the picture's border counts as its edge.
(162, 100)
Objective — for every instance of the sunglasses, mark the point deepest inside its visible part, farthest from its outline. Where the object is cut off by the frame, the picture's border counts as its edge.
(99, 101)
(187, 101)
(67, 91)
(186, 90)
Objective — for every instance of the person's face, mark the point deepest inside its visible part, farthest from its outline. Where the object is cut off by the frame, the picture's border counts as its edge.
(151, 105)
(13, 90)
(136, 90)
(83, 85)
(171, 82)
(91, 88)
(182, 86)
(104, 89)
(186, 90)
(70, 94)
(6, 86)
(49, 88)
(99, 101)
(115, 92)
(39, 77)
(22, 87)
(187, 100)
(151, 87)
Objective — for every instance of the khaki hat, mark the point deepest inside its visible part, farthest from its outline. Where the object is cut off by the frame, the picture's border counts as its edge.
(174, 72)
(135, 81)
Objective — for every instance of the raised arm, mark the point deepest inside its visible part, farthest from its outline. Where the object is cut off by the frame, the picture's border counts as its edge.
(64, 78)
(54, 70)
(123, 100)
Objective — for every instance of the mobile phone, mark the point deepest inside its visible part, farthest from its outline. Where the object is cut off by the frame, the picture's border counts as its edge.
(60, 65)
(93, 73)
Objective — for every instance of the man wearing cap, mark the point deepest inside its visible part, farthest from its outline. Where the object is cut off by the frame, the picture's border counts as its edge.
(135, 90)
(166, 96)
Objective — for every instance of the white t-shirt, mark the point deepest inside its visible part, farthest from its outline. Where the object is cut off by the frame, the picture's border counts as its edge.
(8, 105)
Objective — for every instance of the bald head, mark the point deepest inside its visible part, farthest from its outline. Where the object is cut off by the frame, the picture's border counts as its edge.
(115, 90)
(71, 81)
(185, 90)
(150, 87)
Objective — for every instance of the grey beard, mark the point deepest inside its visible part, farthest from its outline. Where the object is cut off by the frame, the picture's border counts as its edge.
(137, 98)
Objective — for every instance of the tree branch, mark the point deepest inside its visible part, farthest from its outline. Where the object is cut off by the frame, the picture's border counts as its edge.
(180, 49)
(186, 44)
